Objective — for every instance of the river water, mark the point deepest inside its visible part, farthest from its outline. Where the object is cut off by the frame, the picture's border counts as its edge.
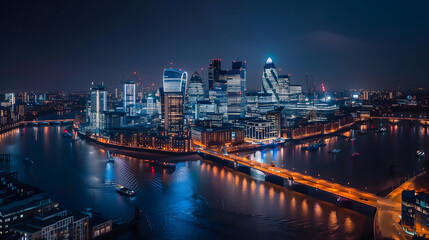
(202, 200)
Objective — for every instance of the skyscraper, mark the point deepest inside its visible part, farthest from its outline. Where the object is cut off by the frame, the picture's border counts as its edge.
(214, 70)
(174, 80)
(174, 83)
(98, 104)
(195, 93)
(150, 104)
(129, 97)
(283, 88)
(270, 80)
(236, 90)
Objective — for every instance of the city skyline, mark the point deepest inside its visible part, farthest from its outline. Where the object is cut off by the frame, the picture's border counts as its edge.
(214, 120)
(372, 46)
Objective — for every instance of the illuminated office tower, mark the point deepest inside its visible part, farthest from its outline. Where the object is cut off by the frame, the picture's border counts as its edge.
(283, 88)
(195, 93)
(214, 70)
(98, 104)
(174, 86)
(10, 97)
(150, 104)
(129, 97)
(270, 80)
(236, 90)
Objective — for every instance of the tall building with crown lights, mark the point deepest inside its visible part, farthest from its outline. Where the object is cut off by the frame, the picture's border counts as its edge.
(270, 80)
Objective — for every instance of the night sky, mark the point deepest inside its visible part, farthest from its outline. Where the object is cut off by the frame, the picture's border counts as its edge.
(66, 45)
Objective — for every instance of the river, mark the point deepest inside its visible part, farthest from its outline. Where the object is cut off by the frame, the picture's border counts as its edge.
(202, 200)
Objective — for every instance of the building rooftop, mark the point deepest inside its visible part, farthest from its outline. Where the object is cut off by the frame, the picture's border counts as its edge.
(215, 129)
(46, 219)
(408, 194)
(259, 121)
(96, 220)
(423, 197)
(204, 102)
(15, 195)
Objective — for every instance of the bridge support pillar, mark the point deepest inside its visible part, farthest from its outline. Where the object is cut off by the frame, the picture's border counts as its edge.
(235, 164)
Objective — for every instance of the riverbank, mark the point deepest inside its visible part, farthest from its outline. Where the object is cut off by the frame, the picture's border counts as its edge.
(250, 147)
(10, 127)
(161, 155)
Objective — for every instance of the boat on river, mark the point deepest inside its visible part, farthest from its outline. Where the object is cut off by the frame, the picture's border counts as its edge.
(420, 153)
(161, 164)
(335, 151)
(27, 160)
(312, 147)
(126, 191)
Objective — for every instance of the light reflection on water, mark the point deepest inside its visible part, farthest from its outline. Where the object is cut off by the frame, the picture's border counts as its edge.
(371, 171)
(198, 199)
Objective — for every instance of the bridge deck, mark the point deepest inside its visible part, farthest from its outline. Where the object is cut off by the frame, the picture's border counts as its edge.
(334, 188)
(393, 118)
(47, 121)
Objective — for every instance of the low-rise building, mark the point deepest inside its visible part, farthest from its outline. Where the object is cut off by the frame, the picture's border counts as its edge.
(99, 226)
(19, 202)
(261, 131)
(217, 136)
(54, 224)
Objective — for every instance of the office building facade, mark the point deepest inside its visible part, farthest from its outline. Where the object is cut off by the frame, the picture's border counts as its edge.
(270, 80)
(194, 94)
(129, 97)
(97, 106)
(174, 87)
(236, 91)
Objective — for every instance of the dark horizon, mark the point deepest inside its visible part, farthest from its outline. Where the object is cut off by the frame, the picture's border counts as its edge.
(67, 45)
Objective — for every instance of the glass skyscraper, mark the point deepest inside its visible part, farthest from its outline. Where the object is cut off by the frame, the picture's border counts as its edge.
(236, 90)
(270, 80)
(195, 93)
(174, 80)
(227, 89)
(214, 71)
(129, 97)
(98, 104)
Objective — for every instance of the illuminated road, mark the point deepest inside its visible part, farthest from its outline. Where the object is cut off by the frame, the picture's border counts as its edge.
(334, 188)
(387, 219)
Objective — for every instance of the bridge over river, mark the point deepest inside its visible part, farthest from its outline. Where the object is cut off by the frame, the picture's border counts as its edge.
(336, 189)
(394, 119)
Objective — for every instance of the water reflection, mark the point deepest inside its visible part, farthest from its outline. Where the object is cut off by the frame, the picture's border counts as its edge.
(378, 151)
(198, 199)
(333, 221)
